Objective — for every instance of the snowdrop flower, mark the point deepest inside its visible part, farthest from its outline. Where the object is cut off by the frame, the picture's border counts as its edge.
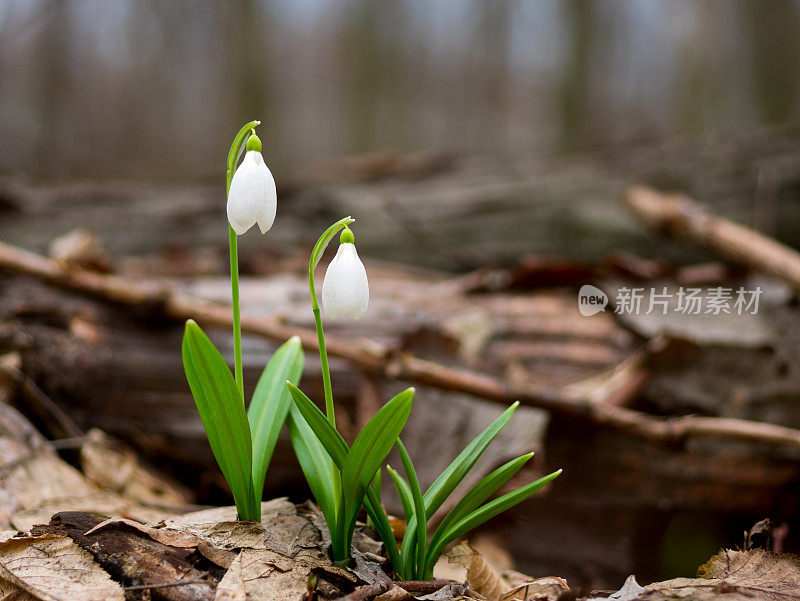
(252, 197)
(345, 290)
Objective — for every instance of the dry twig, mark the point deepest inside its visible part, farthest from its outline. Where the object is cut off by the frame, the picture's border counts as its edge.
(393, 364)
(679, 216)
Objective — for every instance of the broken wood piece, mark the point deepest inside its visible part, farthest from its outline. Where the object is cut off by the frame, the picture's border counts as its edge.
(137, 560)
(679, 216)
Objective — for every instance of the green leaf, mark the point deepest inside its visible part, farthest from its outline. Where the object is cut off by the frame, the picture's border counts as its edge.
(315, 463)
(376, 483)
(378, 516)
(222, 412)
(457, 470)
(403, 491)
(479, 493)
(330, 438)
(484, 513)
(369, 450)
(461, 465)
(270, 404)
(419, 509)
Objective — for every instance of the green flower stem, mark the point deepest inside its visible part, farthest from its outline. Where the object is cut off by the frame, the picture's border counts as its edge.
(233, 245)
(323, 359)
(237, 325)
(326, 384)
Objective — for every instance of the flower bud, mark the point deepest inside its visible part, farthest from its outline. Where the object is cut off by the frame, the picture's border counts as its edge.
(252, 197)
(345, 290)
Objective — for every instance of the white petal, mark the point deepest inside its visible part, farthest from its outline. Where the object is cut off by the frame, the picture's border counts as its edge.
(345, 290)
(252, 195)
(270, 207)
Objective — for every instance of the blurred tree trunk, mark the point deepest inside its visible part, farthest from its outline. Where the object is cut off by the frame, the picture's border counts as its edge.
(581, 28)
(54, 66)
(774, 35)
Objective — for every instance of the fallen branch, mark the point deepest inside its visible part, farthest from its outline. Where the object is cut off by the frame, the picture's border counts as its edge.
(386, 362)
(681, 217)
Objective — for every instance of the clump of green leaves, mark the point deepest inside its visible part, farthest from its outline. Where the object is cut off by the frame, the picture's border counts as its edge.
(341, 488)
(418, 555)
(242, 441)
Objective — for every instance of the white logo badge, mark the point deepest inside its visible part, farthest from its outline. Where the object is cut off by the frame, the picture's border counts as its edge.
(591, 300)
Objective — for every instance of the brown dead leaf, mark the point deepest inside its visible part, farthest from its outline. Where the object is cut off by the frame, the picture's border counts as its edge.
(754, 575)
(394, 594)
(260, 574)
(114, 466)
(482, 577)
(37, 483)
(53, 568)
(537, 589)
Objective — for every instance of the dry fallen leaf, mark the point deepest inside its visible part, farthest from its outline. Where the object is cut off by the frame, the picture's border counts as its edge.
(482, 577)
(754, 575)
(54, 568)
(114, 466)
(537, 589)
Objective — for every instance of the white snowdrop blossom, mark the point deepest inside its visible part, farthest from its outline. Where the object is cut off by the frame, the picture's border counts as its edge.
(345, 290)
(252, 197)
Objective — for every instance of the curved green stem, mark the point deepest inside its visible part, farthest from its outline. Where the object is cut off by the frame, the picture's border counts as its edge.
(233, 246)
(316, 254)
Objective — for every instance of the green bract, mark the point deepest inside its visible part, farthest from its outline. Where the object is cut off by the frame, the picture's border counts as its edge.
(418, 556)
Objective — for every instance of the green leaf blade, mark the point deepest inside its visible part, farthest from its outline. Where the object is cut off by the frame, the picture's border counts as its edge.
(484, 489)
(485, 513)
(270, 405)
(370, 449)
(314, 462)
(419, 509)
(403, 491)
(447, 481)
(222, 412)
(330, 438)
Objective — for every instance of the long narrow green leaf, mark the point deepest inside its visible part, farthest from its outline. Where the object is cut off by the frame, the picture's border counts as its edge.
(461, 465)
(403, 491)
(270, 405)
(314, 461)
(219, 404)
(484, 489)
(484, 513)
(457, 470)
(369, 450)
(419, 509)
(330, 438)
(378, 516)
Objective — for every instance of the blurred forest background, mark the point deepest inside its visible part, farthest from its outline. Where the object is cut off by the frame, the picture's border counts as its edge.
(153, 89)
(477, 136)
